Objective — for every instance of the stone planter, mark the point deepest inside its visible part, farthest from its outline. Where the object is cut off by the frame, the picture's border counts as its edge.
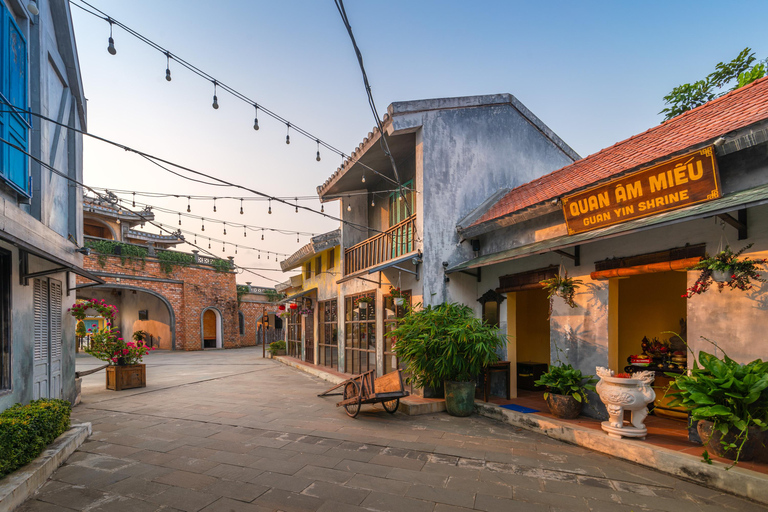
(563, 406)
(711, 441)
(459, 398)
(621, 395)
(127, 376)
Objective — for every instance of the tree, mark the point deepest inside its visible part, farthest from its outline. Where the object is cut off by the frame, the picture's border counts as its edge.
(687, 96)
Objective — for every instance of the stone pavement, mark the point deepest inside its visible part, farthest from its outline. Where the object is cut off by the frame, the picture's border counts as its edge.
(230, 431)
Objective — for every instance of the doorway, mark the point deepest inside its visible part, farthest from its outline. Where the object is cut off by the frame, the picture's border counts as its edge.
(211, 328)
(528, 348)
(47, 382)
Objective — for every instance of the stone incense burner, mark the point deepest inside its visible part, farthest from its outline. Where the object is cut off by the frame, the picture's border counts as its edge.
(622, 394)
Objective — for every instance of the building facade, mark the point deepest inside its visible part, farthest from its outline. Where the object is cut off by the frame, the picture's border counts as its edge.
(42, 208)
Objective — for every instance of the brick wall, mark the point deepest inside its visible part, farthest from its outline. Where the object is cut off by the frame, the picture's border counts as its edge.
(201, 287)
(252, 312)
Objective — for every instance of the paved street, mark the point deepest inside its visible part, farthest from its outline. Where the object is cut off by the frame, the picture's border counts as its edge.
(230, 431)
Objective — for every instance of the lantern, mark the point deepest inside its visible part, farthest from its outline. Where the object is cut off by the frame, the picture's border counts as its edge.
(281, 307)
(294, 306)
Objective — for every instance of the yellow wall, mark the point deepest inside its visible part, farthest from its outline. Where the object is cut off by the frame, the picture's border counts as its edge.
(532, 326)
(325, 274)
(649, 304)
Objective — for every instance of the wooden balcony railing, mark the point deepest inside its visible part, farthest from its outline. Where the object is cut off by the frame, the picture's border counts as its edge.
(393, 243)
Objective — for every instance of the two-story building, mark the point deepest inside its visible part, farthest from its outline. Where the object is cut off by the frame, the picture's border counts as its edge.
(40, 233)
(312, 327)
(451, 155)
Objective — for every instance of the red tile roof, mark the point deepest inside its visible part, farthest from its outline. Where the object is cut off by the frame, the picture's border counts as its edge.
(735, 110)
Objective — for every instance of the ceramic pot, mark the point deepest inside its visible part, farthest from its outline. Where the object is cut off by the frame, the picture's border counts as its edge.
(712, 441)
(563, 406)
(459, 398)
(399, 301)
(721, 276)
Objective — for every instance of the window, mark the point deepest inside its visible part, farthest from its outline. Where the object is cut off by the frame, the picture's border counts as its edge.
(318, 265)
(401, 205)
(328, 345)
(491, 301)
(360, 333)
(13, 89)
(391, 314)
(5, 321)
(308, 270)
(294, 333)
(241, 322)
(331, 257)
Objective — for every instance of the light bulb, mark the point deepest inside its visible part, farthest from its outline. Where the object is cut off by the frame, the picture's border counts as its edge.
(203, 224)
(287, 139)
(222, 248)
(256, 118)
(373, 202)
(297, 205)
(214, 205)
(259, 255)
(215, 103)
(262, 234)
(270, 208)
(209, 243)
(32, 8)
(318, 156)
(111, 48)
(349, 207)
(225, 229)
(322, 208)
(118, 221)
(134, 200)
(241, 207)
(168, 74)
(287, 133)
(245, 235)
(297, 238)
(235, 249)
(189, 208)
(179, 219)
(168, 66)
(363, 178)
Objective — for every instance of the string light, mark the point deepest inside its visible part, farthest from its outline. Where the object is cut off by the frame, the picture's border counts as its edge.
(363, 176)
(160, 228)
(259, 254)
(297, 205)
(214, 205)
(318, 150)
(262, 233)
(111, 48)
(215, 104)
(241, 206)
(349, 207)
(235, 249)
(168, 66)
(222, 248)
(270, 207)
(256, 118)
(322, 208)
(203, 229)
(225, 228)
(134, 200)
(287, 133)
(209, 243)
(118, 222)
(179, 219)
(195, 239)
(297, 238)
(189, 207)
(245, 235)
(373, 201)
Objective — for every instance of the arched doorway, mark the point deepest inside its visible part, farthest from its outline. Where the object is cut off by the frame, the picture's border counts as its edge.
(210, 328)
(139, 309)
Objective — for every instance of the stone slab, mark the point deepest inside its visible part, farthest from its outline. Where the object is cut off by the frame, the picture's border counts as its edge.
(17, 487)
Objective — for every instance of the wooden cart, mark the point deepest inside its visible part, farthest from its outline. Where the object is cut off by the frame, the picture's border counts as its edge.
(366, 389)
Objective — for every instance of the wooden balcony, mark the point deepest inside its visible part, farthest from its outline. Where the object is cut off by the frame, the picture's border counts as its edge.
(397, 241)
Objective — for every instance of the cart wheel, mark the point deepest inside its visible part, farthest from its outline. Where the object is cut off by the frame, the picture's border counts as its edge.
(352, 390)
(391, 405)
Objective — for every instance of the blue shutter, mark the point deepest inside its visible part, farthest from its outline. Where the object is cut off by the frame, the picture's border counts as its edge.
(14, 127)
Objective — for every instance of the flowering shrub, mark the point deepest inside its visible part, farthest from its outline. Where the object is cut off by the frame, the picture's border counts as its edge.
(740, 271)
(106, 343)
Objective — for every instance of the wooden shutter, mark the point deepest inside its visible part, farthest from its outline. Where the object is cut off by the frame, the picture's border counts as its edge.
(41, 319)
(55, 319)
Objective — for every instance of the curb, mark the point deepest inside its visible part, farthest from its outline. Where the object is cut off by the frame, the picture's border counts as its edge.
(17, 487)
(738, 481)
(333, 379)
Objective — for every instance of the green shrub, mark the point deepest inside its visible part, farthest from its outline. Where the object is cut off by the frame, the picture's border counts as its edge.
(170, 259)
(26, 430)
(275, 346)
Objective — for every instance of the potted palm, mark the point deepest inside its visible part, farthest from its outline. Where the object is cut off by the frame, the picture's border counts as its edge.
(730, 402)
(726, 268)
(446, 345)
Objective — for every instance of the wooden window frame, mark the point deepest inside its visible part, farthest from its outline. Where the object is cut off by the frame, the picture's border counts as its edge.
(318, 264)
(294, 338)
(351, 351)
(328, 320)
(400, 311)
(331, 257)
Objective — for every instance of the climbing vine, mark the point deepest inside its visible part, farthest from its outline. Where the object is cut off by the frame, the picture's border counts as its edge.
(170, 259)
(221, 265)
(126, 252)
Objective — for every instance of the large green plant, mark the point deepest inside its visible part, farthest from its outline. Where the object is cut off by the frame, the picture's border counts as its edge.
(444, 342)
(731, 395)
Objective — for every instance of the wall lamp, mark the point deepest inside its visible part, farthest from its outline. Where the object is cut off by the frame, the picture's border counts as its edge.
(84, 250)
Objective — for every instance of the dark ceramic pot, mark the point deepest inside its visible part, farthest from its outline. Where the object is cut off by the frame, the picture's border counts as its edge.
(459, 398)
(712, 441)
(563, 406)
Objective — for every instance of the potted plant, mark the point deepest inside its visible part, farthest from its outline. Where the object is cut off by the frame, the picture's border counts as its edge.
(397, 295)
(561, 286)
(363, 302)
(730, 402)
(726, 269)
(306, 312)
(566, 389)
(446, 345)
(124, 370)
(277, 348)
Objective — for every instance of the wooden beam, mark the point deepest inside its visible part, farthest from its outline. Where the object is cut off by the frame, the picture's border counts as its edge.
(740, 224)
(576, 256)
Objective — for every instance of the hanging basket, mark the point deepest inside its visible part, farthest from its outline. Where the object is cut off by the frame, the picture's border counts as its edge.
(399, 301)
(363, 305)
(722, 276)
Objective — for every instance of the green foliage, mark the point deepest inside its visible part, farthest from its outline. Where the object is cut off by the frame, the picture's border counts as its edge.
(221, 265)
(741, 271)
(26, 430)
(731, 395)
(242, 289)
(276, 346)
(688, 96)
(170, 259)
(128, 252)
(564, 379)
(273, 295)
(139, 335)
(561, 286)
(445, 342)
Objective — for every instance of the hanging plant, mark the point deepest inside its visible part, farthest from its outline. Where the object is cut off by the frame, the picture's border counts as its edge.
(561, 286)
(726, 269)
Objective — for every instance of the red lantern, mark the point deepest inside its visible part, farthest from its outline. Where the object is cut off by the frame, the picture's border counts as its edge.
(294, 306)
(281, 307)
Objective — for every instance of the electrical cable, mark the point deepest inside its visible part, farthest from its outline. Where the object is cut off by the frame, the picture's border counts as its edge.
(96, 12)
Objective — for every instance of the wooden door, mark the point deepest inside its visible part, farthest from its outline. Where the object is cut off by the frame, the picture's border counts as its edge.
(209, 329)
(46, 373)
(309, 338)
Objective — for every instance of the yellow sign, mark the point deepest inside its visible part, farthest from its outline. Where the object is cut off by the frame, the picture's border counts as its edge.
(682, 181)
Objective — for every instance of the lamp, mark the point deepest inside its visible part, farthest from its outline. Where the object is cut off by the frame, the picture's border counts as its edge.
(84, 250)
(32, 8)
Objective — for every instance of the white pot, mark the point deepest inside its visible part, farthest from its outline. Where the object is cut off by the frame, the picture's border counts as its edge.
(721, 276)
(621, 395)
(363, 305)
(399, 301)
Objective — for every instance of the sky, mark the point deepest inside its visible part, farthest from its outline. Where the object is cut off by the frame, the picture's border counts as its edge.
(594, 72)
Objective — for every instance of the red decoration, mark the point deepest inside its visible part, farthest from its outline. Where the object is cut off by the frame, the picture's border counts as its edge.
(294, 306)
(281, 307)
